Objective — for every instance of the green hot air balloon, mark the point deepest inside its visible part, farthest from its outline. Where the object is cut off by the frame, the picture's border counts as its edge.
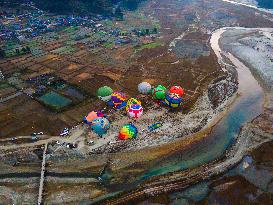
(159, 92)
(104, 93)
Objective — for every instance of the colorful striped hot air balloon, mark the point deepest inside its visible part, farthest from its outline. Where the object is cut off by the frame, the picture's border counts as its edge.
(118, 99)
(132, 101)
(173, 100)
(128, 131)
(177, 90)
(135, 111)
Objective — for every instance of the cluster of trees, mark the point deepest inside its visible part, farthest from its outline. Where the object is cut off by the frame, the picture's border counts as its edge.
(24, 50)
(105, 7)
(18, 52)
(266, 3)
(2, 53)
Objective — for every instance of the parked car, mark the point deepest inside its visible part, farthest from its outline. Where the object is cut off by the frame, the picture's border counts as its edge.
(91, 142)
(71, 146)
(34, 138)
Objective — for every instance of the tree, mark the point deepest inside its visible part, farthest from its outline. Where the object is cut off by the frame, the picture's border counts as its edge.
(104, 7)
(24, 50)
(266, 3)
(28, 49)
(119, 14)
(2, 53)
(131, 4)
(155, 30)
(147, 31)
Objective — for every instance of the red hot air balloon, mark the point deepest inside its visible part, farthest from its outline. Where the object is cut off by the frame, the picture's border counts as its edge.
(177, 90)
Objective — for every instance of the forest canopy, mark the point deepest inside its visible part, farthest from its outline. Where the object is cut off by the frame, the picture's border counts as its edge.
(105, 7)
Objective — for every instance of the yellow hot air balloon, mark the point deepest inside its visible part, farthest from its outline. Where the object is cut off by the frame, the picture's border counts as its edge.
(132, 101)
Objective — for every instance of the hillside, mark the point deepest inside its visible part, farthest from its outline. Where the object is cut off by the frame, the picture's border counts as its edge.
(105, 7)
(265, 3)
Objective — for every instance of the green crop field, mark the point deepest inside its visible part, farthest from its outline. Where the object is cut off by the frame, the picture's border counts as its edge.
(64, 50)
(149, 45)
(4, 85)
(54, 100)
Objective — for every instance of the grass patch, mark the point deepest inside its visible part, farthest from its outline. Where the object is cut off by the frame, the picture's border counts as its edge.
(108, 44)
(4, 85)
(64, 50)
(149, 46)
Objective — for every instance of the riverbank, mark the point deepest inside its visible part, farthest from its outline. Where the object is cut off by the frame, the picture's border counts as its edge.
(253, 47)
(249, 3)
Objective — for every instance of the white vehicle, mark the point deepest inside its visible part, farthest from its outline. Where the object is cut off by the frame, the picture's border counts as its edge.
(91, 142)
(40, 133)
(71, 146)
(34, 138)
(64, 132)
(112, 142)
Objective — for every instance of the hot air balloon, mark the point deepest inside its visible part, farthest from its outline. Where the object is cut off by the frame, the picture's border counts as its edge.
(177, 90)
(132, 101)
(118, 99)
(128, 131)
(104, 93)
(135, 111)
(173, 100)
(159, 92)
(144, 88)
(100, 125)
(91, 116)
